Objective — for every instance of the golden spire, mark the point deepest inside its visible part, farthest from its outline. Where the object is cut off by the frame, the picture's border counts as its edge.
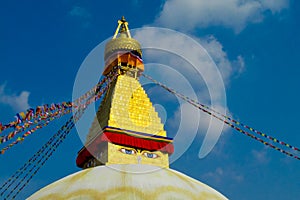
(126, 129)
(122, 41)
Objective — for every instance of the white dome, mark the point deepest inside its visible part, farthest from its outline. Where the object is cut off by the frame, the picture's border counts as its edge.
(132, 182)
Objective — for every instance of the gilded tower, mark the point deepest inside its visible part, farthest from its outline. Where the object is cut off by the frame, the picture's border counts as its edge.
(127, 129)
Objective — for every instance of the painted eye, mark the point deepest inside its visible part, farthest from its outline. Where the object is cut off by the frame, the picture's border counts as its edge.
(150, 155)
(127, 151)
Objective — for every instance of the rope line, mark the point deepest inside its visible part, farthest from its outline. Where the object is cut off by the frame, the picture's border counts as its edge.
(48, 154)
(23, 182)
(244, 125)
(31, 161)
(215, 114)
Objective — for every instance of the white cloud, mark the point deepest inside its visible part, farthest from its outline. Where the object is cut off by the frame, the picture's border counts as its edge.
(236, 14)
(228, 173)
(227, 68)
(17, 102)
(261, 156)
(82, 14)
(215, 50)
(78, 11)
(275, 5)
(238, 65)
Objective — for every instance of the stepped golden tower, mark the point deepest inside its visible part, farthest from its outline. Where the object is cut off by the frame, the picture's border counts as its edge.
(126, 153)
(127, 129)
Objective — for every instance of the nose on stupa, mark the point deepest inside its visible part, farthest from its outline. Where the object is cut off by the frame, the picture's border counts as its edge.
(126, 153)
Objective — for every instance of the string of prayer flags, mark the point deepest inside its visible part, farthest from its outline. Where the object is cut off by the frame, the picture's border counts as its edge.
(44, 110)
(38, 112)
(42, 115)
(227, 120)
(25, 122)
(29, 132)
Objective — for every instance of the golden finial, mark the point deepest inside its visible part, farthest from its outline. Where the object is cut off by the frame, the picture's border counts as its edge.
(123, 24)
(122, 40)
(123, 19)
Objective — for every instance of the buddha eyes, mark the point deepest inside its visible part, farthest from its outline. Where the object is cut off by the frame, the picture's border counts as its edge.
(150, 155)
(133, 151)
(128, 151)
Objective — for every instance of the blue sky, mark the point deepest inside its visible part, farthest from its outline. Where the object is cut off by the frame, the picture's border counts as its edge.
(255, 45)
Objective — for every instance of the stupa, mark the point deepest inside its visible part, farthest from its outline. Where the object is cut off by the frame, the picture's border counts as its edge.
(126, 153)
